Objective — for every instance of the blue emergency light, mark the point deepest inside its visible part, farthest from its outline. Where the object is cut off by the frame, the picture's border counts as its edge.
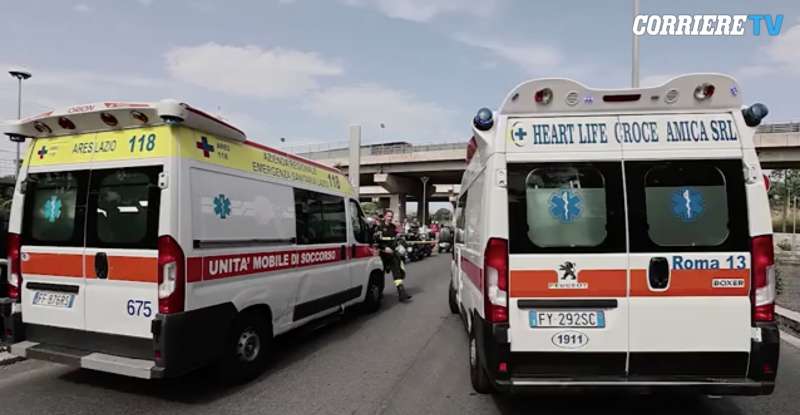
(483, 119)
(754, 114)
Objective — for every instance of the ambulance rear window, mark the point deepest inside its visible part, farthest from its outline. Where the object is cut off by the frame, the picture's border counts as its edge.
(124, 207)
(565, 207)
(687, 205)
(54, 206)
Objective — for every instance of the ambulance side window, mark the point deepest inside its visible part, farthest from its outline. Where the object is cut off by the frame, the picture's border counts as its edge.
(360, 228)
(460, 218)
(54, 208)
(566, 207)
(320, 218)
(687, 205)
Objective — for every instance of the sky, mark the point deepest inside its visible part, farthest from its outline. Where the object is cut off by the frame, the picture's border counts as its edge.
(304, 70)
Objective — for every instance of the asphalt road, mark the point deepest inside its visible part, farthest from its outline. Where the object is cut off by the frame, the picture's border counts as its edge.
(405, 359)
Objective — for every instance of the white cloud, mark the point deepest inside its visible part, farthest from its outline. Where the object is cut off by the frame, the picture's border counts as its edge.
(405, 115)
(427, 10)
(781, 55)
(82, 8)
(250, 70)
(529, 56)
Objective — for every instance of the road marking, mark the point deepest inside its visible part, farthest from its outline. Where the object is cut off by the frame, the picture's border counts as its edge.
(788, 338)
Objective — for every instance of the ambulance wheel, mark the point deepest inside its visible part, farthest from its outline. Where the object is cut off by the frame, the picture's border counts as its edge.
(249, 347)
(480, 381)
(451, 297)
(372, 300)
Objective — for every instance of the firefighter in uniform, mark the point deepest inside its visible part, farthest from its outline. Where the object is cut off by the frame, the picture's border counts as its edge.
(387, 243)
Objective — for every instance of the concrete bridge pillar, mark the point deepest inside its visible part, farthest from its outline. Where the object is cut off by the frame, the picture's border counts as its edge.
(397, 203)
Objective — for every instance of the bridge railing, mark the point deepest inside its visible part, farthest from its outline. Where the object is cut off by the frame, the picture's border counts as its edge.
(324, 151)
(789, 127)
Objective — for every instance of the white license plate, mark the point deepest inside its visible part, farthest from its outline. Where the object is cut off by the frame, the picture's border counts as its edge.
(567, 319)
(51, 299)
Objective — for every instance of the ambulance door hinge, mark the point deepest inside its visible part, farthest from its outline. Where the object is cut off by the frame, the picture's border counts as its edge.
(501, 178)
(750, 173)
(163, 181)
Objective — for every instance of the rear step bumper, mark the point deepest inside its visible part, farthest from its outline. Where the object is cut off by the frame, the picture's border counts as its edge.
(709, 387)
(138, 368)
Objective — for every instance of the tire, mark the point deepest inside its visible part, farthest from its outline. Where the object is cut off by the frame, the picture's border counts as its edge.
(248, 349)
(451, 299)
(374, 296)
(478, 377)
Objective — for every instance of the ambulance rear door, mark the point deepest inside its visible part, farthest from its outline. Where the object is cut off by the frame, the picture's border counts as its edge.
(568, 306)
(123, 225)
(689, 246)
(52, 238)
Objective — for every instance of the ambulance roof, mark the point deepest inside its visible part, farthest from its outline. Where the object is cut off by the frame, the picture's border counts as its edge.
(110, 116)
(569, 96)
(105, 116)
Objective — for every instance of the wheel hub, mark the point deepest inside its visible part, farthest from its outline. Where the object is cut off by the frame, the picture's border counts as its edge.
(248, 346)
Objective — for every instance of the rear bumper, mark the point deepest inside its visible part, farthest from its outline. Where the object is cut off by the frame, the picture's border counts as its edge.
(709, 387)
(126, 366)
(180, 343)
(594, 371)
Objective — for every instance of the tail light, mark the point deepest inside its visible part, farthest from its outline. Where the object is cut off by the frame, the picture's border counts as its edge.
(763, 276)
(472, 147)
(767, 183)
(495, 273)
(171, 276)
(14, 274)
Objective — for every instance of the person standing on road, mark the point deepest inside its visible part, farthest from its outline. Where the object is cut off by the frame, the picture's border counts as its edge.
(387, 244)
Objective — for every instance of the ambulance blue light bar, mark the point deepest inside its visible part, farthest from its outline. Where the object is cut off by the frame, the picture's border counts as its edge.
(703, 91)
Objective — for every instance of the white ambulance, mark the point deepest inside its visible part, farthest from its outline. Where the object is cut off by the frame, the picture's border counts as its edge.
(617, 239)
(151, 239)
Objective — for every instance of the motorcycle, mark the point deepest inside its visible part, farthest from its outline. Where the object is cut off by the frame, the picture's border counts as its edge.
(445, 243)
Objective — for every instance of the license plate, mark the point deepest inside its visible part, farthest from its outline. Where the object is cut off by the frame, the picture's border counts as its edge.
(567, 319)
(51, 299)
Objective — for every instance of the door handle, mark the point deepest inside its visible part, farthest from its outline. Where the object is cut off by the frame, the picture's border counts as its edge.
(101, 265)
(658, 273)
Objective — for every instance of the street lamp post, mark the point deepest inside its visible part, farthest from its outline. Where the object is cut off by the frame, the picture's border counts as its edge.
(424, 201)
(635, 54)
(21, 76)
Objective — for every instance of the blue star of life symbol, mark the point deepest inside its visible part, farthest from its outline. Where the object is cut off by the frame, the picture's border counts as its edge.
(734, 90)
(687, 204)
(222, 206)
(52, 209)
(565, 206)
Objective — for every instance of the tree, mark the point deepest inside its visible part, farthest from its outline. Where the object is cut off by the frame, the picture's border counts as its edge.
(370, 208)
(784, 189)
(443, 215)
